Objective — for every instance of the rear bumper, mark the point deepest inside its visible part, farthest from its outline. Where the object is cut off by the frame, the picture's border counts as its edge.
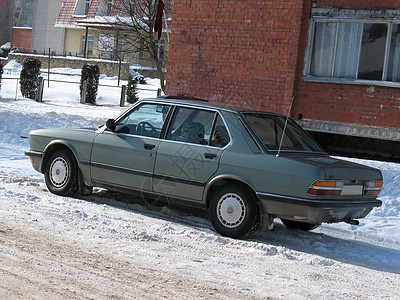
(317, 210)
(36, 159)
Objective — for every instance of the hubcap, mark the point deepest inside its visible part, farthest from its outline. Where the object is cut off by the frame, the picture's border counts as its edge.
(231, 210)
(59, 172)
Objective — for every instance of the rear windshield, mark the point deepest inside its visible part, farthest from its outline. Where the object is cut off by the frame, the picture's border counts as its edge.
(269, 129)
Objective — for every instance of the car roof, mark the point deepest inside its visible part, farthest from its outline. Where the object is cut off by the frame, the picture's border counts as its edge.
(206, 104)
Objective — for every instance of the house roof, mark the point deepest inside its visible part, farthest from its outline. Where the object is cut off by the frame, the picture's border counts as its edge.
(66, 16)
(68, 19)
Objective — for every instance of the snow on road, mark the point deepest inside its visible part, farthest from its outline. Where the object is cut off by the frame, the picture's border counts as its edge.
(114, 246)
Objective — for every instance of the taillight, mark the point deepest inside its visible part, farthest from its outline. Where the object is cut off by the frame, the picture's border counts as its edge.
(372, 188)
(326, 188)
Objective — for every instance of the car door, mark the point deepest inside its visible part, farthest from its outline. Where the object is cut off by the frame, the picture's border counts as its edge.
(125, 156)
(190, 153)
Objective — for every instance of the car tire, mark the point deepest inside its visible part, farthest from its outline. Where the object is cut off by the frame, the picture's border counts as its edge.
(299, 225)
(234, 211)
(61, 173)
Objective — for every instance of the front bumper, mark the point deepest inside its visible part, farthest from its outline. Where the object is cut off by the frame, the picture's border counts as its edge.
(317, 211)
(36, 159)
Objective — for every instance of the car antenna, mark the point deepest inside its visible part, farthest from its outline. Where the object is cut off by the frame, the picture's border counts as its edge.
(284, 128)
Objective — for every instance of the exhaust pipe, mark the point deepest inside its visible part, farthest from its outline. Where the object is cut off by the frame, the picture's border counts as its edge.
(352, 221)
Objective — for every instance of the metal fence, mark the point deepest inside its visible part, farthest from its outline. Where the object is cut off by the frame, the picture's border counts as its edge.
(109, 55)
(42, 80)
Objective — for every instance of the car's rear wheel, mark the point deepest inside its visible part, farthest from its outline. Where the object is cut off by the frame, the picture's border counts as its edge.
(61, 173)
(234, 211)
(299, 225)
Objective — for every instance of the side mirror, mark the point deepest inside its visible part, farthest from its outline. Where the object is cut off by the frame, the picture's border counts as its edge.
(111, 124)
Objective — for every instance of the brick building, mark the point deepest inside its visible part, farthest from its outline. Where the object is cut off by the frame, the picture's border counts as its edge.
(21, 32)
(338, 60)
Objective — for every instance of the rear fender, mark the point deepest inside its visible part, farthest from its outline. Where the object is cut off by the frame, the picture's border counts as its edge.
(222, 179)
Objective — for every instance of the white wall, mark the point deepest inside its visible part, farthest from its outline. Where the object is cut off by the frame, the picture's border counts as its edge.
(44, 34)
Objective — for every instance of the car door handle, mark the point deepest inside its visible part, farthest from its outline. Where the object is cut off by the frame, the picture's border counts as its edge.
(148, 146)
(210, 155)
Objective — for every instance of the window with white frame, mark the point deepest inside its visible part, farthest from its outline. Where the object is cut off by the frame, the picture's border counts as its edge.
(357, 49)
(82, 7)
(105, 7)
(110, 4)
(128, 8)
(160, 48)
(87, 6)
(106, 42)
(89, 46)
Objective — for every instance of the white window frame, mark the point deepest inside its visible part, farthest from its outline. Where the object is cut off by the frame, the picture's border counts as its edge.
(106, 42)
(110, 5)
(390, 21)
(160, 48)
(82, 7)
(89, 46)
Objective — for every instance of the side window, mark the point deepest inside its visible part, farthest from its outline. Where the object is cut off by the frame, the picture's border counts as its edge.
(220, 136)
(191, 125)
(145, 120)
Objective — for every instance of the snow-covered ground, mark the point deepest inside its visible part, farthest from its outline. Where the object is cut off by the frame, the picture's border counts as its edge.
(332, 261)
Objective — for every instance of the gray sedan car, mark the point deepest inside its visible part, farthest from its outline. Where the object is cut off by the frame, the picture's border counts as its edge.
(246, 167)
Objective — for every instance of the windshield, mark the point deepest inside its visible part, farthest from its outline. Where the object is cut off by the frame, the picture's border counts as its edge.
(269, 129)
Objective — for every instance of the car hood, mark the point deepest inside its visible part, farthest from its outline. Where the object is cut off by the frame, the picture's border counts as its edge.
(50, 131)
(337, 168)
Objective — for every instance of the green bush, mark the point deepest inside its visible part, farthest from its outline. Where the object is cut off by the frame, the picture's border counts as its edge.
(29, 77)
(91, 74)
(131, 90)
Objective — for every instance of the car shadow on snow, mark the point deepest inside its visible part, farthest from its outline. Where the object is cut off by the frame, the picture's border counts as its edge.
(346, 250)
(152, 208)
(320, 243)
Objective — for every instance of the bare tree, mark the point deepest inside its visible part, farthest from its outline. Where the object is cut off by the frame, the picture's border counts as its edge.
(133, 23)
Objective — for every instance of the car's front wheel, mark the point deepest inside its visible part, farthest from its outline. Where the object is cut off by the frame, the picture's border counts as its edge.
(234, 211)
(61, 173)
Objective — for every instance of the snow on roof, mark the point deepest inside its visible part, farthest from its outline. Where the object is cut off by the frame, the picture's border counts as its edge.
(107, 21)
(67, 15)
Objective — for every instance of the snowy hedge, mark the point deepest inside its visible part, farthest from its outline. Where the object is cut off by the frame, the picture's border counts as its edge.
(131, 90)
(90, 74)
(29, 77)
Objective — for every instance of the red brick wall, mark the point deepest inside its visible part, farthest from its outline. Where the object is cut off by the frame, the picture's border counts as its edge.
(252, 52)
(236, 51)
(21, 37)
(348, 103)
(378, 106)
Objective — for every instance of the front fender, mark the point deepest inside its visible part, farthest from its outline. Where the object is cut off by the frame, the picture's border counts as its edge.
(53, 146)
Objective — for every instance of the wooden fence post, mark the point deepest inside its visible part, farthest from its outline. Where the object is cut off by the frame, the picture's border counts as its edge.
(39, 96)
(83, 93)
(123, 96)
